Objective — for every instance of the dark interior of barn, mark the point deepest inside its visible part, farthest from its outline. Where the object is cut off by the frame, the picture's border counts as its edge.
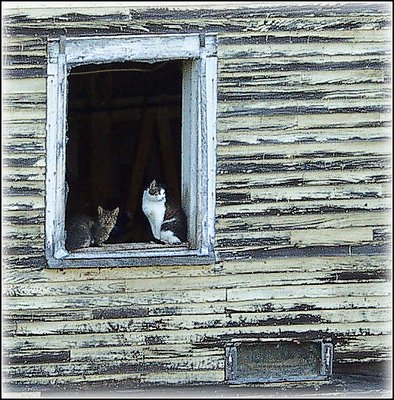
(123, 129)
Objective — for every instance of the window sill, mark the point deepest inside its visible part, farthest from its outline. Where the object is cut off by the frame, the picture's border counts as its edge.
(132, 254)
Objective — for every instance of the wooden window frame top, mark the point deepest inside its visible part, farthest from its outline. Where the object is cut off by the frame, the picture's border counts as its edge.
(199, 56)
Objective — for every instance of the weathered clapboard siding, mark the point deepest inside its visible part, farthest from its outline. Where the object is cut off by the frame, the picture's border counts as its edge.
(303, 202)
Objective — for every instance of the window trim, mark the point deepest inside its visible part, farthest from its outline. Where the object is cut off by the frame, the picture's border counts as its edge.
(198, 52)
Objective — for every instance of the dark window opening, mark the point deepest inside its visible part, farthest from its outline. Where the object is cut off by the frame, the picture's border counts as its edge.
(124, 129)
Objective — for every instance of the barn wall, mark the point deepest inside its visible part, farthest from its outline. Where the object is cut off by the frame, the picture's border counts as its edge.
(303, 171)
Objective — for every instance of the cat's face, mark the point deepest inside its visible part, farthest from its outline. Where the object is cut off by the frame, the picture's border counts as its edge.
(107, 217)
(156, 191)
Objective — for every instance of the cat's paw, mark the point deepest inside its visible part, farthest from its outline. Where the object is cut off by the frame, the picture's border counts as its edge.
(169, 237)
(174, 240)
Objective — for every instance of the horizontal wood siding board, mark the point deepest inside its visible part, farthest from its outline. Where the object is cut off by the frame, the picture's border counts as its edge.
(230, 227)
(165, 14)
(315, 289)
(295, 238)
(24, 204)
(373, 51)
(20, 60)
(275, 37)
(48, 315)
(23, 162)
(309, 264)
(22, 73)
(218, 337)
(23, 190)
(201, 11)
(20, 174)
(370, 348)
(304, 150)
(272, 193)
(265, 252)
(179, 322)
(89, 301)
(150, 352)
(265, 278)
(115, 367)
(23, 268)
(248, 94)
(30, 28)
(26, 88)
(202, 338)
(304, 165)
(120, 381)
(352, 232)
(285, 11)
(29, 46)
(376, 133)
(259, 209)
(262, 86)
(43, 357)
(291, 79)
(304, 304)
(288, 179)
(305, 110)
(304, 312)
(326, 106)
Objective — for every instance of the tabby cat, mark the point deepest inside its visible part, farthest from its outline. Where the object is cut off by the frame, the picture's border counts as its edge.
(84, 231)
(166, 218)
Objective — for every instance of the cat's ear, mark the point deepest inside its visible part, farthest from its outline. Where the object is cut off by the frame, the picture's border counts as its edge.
(116, 211)
(100, 210)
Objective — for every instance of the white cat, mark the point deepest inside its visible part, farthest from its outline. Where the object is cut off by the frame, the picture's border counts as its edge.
(167, 221)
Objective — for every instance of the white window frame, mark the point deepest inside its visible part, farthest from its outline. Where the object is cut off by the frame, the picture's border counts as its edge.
(198, 53)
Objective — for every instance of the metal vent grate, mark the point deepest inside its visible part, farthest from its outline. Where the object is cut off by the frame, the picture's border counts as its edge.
(278, 360)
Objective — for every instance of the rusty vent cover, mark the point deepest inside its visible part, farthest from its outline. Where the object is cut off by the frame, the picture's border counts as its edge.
(278, 360)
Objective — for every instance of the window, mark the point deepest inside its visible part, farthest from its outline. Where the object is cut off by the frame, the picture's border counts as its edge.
(123, 110)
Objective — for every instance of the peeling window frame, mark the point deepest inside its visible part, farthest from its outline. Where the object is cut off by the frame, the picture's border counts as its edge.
(198, 52)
